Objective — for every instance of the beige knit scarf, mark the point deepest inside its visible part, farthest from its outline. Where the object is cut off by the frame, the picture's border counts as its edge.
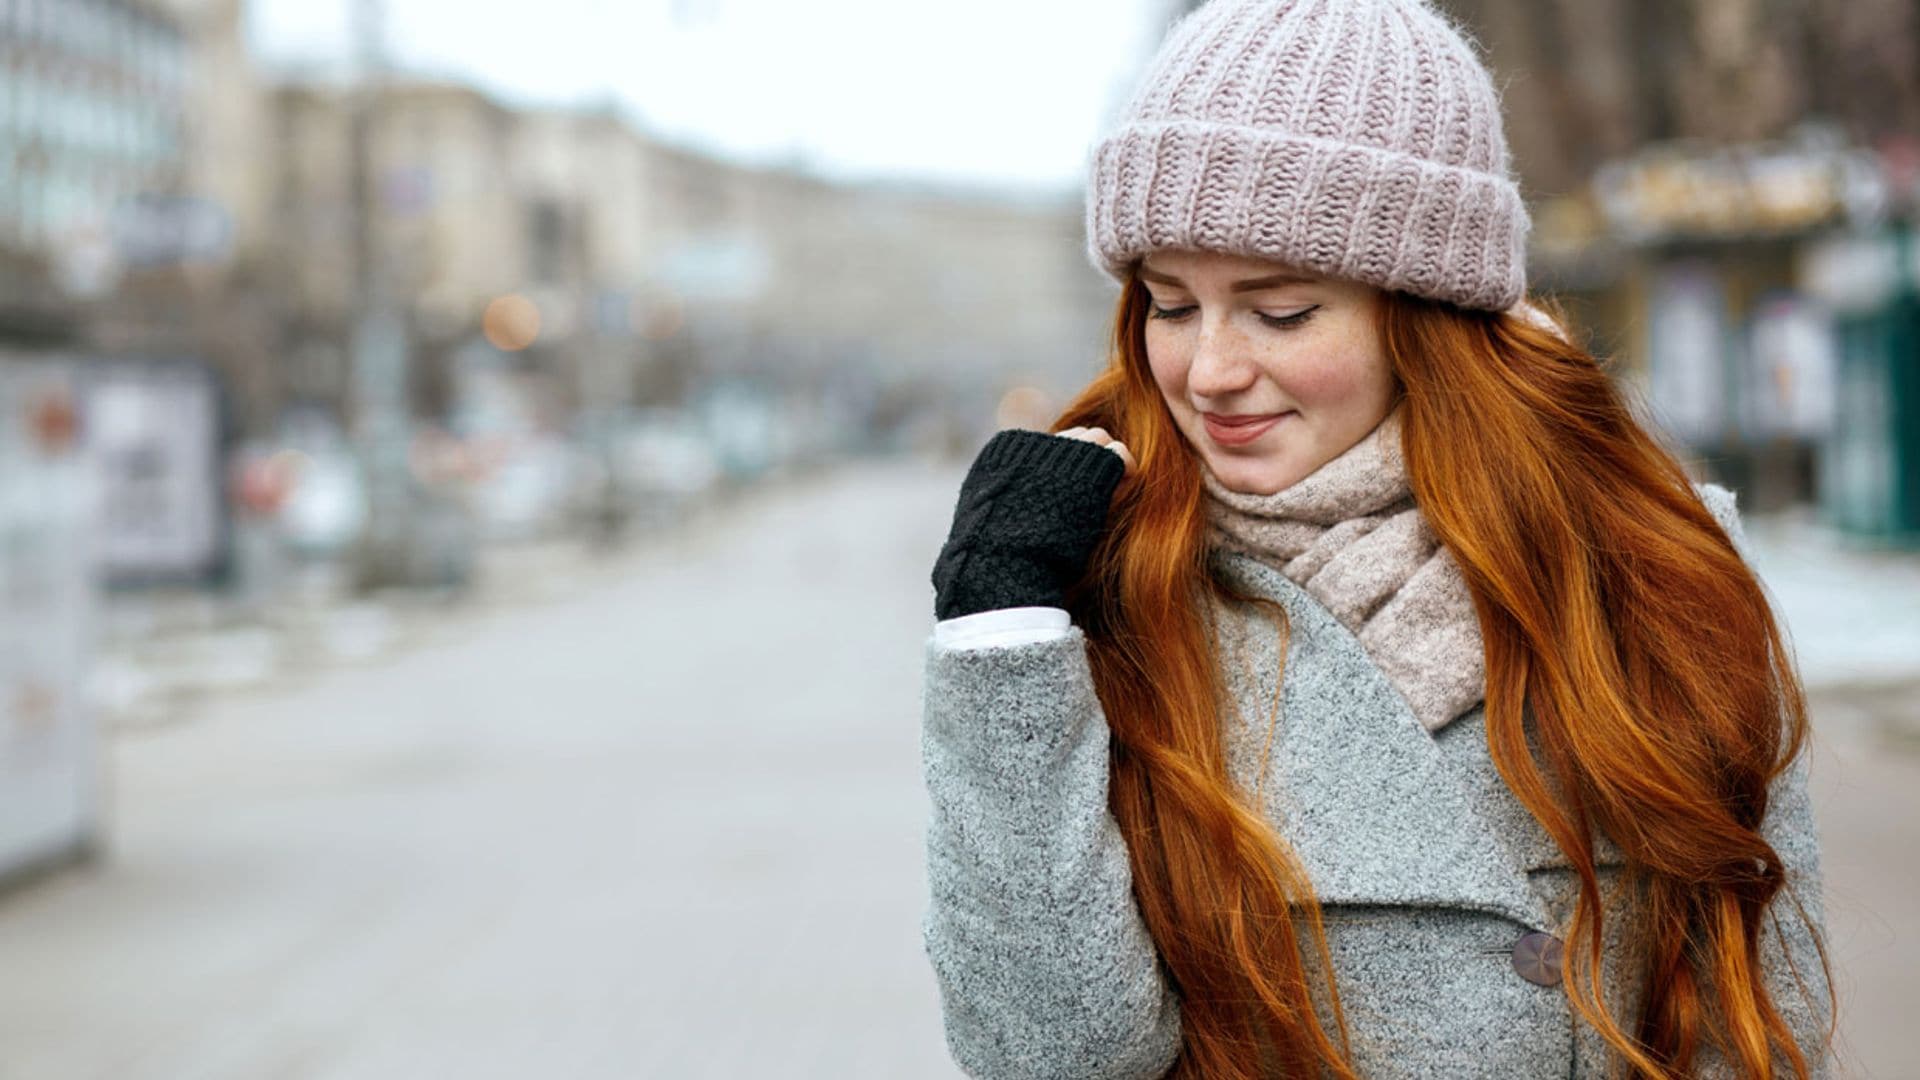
(1350, 535)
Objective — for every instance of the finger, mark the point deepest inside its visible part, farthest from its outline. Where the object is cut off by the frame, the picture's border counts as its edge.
(1072, 433)
(1099, 435)
(1126, 455)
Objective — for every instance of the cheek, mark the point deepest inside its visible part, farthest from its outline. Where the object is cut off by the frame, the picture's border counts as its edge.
(1168, 363)
(1337, 377)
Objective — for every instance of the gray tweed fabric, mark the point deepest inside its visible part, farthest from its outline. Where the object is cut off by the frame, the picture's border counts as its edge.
(1428, 868)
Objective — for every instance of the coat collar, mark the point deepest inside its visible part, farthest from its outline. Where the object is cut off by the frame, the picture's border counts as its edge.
(1368, 800)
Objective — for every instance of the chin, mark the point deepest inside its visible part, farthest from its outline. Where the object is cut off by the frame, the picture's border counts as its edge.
(1252, 477)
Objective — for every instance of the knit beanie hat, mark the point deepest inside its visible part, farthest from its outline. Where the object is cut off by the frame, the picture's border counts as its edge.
(1355, 139)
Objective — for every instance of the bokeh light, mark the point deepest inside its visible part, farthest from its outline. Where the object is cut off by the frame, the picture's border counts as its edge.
(511, 322)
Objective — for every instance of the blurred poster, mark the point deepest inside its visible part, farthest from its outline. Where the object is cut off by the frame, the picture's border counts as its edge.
(48, 771)
(154, 433)
(1792, 363)
(1685, 356)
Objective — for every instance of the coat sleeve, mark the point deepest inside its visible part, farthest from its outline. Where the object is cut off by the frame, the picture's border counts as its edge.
(1044, 964)
(1789, 955)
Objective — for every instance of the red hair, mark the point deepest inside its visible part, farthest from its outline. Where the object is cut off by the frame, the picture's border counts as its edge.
(1593, 567)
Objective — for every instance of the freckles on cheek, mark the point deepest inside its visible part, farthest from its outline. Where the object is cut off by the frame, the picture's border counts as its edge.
(1326, 380)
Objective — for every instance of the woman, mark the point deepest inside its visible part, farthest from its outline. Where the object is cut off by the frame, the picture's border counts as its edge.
(1351, 686)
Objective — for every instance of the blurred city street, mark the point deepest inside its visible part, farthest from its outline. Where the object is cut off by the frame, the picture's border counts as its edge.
(669, 825)
(469, 479)
(664, 821)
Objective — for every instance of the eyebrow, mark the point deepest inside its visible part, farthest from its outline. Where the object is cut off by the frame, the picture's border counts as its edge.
(1249, 285)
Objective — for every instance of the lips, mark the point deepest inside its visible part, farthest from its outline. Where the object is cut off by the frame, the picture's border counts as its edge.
(1239, 430)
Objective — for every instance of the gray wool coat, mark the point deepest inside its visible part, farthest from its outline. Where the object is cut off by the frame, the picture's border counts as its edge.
(1427, 867)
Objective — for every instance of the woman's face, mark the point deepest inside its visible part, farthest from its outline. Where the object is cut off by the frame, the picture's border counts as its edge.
(1270, 372)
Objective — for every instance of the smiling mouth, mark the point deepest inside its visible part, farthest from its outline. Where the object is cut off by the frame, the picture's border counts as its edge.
(1238, 430)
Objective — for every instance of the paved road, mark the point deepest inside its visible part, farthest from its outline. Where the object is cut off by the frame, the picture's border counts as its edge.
(669, 826)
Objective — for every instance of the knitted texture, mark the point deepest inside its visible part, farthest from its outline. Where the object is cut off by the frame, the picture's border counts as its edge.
(1355, 139)
(1351, 536)
(1030, 512)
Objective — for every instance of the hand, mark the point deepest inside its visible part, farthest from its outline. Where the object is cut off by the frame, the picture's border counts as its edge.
(1030, 514)
(1099, 437)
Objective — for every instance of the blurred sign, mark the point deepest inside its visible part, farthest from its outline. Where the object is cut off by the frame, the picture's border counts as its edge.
(1863, 271)
(731, 266)
(1686, 366)
(85, 263)
(613, 312)
(1792, 360)
(154, 434)
(48, 770)
(407, 192)
(1689, 190)
(153, 230)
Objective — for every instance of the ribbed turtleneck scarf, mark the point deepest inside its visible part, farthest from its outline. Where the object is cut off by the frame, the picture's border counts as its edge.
(1351, 536)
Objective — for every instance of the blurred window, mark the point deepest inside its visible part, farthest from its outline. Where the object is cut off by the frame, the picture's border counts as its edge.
(120, 40)
(549, 241)
(63, 197)
(32, 188)
(100, 32)
(152, 60)
(30, 102)
(126, 132)
(99, 122)
(71, 130)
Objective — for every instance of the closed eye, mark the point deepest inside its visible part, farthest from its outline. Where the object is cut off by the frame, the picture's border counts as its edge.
(1280, 322)
(1288, 322)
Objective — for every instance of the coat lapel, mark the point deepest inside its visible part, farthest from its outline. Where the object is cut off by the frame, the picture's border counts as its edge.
(1365, 796)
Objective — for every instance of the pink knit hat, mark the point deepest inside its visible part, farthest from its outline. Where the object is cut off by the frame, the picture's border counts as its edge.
(1355, 139)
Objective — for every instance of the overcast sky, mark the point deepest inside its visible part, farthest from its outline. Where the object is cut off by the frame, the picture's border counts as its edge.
(1005, 92)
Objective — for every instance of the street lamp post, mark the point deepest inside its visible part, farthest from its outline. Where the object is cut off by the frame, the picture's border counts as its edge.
(381, 416)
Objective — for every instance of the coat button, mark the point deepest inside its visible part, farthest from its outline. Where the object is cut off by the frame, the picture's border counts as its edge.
(1537, 958)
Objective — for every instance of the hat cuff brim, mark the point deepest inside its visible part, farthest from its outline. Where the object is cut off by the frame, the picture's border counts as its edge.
(1332, 208)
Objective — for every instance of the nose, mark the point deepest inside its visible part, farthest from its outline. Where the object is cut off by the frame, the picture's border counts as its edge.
(1220, 366)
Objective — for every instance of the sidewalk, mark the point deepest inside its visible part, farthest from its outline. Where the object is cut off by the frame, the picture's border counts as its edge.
(163, 653)
(1853, 616)
(1854, 612)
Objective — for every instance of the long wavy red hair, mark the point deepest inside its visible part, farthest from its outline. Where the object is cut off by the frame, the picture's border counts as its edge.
(1623, 634)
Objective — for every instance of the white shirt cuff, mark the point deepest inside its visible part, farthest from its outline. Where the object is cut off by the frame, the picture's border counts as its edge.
(1007, 626)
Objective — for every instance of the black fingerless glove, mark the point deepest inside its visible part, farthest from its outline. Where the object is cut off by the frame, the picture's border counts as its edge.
(1030, 513)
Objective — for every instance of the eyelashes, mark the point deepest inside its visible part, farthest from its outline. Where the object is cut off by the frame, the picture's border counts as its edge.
(1278, 322)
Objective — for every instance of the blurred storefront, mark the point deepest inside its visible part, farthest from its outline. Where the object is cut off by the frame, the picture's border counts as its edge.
(1760, 297)
(1870, 281)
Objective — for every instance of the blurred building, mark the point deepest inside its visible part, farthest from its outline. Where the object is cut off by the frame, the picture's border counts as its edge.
(444, 219)
(1586, 81)
(616, 270)
(93, 102)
